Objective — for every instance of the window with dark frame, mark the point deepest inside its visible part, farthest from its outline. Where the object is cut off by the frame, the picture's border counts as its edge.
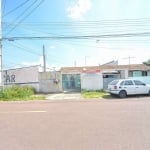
(128, 82)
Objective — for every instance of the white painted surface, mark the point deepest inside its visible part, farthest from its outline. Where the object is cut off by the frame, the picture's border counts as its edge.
(91, 81)
(22, 76)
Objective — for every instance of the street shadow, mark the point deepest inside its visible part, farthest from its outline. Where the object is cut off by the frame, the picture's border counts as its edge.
(112, 97)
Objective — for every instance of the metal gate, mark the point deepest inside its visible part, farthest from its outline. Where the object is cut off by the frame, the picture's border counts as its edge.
(107, 78)
(71, 82)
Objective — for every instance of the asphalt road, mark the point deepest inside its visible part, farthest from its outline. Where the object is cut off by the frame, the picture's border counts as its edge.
(76, 125)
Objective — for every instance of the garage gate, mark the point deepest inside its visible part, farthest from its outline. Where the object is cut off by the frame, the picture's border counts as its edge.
(107, 78)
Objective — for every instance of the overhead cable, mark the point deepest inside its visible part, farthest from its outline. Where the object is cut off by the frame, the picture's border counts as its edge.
(79, 36)
(25, 16)
(14, 9)
(20, 15)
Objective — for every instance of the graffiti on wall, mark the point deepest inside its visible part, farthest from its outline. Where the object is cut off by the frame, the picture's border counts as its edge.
(9, 78)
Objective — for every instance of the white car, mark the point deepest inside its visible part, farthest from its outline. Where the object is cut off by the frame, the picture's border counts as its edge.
(124, 87)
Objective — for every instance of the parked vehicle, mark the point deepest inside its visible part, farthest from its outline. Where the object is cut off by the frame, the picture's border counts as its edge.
(124, 87)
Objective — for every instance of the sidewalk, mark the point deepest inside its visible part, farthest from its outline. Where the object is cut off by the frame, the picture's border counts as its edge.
(64, 96)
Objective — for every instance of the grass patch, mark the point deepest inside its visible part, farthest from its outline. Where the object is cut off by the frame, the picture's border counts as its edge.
(95, 94)
(37, 97)
(19, 93)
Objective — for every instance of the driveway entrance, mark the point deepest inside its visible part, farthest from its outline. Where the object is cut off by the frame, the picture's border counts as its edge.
(71, 82)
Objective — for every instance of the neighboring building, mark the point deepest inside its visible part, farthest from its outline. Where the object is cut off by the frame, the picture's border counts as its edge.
(111, 72)
(43, 82)
(22, 76)
(73, 78)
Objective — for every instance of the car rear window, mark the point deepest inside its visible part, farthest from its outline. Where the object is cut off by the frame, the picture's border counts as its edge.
(114, 82)
(122, 83)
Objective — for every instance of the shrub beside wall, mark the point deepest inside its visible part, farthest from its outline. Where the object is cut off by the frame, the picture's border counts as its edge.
(16, 92)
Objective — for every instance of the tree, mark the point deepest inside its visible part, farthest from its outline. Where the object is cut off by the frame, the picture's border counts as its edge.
(147, 62)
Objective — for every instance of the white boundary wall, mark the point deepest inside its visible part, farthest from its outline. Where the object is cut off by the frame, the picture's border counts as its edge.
(91, 81)
(22, 76)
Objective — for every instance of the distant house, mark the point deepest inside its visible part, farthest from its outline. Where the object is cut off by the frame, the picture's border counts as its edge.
(109, 73)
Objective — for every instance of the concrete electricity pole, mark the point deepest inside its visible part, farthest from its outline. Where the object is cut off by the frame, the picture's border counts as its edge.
(44, 59)
(129, 58)
(1, 76)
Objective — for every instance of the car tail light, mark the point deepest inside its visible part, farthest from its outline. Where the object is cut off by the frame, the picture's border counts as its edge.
(115, 87)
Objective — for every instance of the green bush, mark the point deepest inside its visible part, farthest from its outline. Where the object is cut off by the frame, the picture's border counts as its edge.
(17, 92)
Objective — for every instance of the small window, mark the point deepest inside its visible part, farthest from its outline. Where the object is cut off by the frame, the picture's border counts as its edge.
(122, 83)
(114, 82)
(138, 82)
(144, 73)
(128, 82)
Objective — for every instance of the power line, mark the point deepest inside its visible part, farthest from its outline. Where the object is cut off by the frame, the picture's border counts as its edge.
(86, 29)
(86, 24)
(27, 49)
(24, 48)
(102, 21)
(26, 16)
(15, 65)
(89, 27)
(142, 34)
(14, 9)
(15, 20)
(94, 27)
(91, 23)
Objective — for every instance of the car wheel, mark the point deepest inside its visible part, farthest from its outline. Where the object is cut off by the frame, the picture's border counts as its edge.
(122, 94)
(149, 92)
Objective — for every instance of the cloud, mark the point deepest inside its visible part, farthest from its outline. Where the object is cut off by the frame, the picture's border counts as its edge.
(79, 9)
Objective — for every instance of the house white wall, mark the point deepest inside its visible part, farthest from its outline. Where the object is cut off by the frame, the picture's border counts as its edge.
(91, 81)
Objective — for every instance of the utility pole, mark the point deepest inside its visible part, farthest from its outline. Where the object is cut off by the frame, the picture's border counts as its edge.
(75, 63)
(1, 76)
(85, 61)
(44, 59)
(129, 58)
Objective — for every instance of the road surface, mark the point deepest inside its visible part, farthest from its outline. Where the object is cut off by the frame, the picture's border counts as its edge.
(76, 125)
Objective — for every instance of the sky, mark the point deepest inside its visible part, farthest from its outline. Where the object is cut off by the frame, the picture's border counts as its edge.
(73, 19)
